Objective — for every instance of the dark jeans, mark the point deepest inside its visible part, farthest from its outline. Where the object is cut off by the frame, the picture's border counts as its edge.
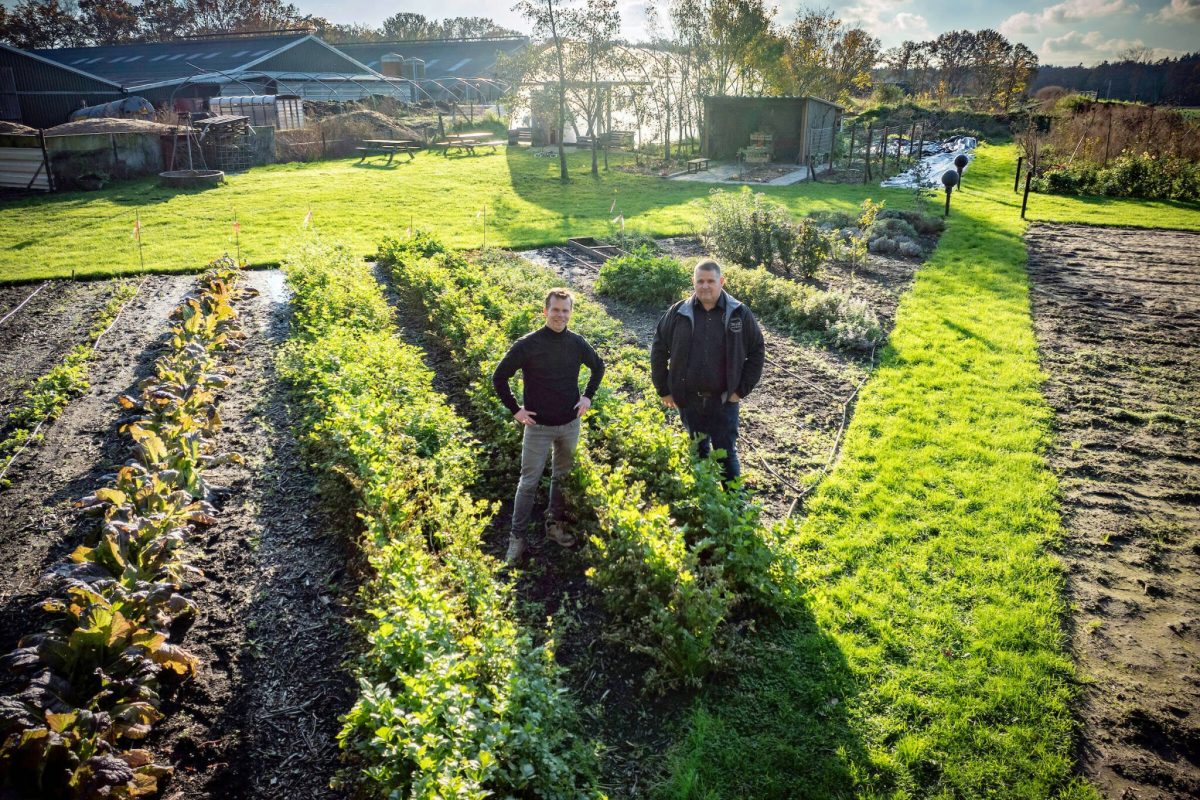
(717, 422)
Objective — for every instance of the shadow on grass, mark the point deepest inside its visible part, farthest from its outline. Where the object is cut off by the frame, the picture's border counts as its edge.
(778, 728)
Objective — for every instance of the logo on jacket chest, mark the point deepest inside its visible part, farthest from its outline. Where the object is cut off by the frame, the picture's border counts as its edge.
(735, 325)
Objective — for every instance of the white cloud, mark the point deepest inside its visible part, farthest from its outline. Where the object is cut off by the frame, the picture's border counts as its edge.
(913, 26)
(1069, 11)
(880, 18)
(1088, 47)
(1177, 11)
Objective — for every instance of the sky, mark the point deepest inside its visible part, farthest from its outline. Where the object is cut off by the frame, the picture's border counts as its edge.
(1064, 33)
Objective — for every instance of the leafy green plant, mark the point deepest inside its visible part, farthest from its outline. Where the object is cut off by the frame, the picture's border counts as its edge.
(749, 229)
(643, 278)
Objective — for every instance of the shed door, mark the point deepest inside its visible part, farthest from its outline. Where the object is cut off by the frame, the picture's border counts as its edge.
(10, 109)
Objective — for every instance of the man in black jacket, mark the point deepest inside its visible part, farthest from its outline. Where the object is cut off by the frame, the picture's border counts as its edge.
(707, 356)
(549, 359)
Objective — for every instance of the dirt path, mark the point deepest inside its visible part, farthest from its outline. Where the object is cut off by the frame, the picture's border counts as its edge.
(260, 718)
(37, 525)
(1117, 315)
(65, 308)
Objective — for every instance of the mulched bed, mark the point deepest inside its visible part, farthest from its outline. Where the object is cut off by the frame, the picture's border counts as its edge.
(1117, 315)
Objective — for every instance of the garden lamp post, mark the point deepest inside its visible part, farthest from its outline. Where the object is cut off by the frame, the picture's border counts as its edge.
(960, 163)
(949, 180)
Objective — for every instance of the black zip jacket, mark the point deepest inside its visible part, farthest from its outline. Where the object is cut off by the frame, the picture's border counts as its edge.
(744, 350)
(549, 363)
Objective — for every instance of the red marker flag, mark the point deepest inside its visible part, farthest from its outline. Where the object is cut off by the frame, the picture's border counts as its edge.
(237, 226)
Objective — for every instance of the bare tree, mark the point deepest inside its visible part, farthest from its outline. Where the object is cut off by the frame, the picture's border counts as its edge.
(546, 18)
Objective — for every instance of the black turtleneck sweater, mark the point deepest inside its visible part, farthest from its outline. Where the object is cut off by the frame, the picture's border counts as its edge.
(550, 364)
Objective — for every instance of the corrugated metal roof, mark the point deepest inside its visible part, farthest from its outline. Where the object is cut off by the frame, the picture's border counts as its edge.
(155, 62)
(459, 58)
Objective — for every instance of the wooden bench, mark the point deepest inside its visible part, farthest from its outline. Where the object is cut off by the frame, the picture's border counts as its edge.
(468, 145)
(697, 164)
(389, 150)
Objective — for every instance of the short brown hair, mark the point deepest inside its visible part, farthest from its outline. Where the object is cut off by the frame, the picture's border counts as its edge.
(562, 294)
(708, 265)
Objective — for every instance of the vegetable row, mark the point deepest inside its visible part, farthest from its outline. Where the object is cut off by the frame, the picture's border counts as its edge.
(88, 687)
(679, 561)
(455, 699)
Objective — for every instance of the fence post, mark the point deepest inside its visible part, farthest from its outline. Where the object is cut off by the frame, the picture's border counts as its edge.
(1017, 178)
(912, 135)
(1025, 199)
(850, 152)
(867, 154)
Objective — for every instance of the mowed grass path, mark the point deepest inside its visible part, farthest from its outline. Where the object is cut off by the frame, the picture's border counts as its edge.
(91, 233)
(930, 661)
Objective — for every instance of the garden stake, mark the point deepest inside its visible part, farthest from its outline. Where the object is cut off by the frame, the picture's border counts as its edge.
(237, 237)
(137, 235)
(1025, 199)
(1017, 178)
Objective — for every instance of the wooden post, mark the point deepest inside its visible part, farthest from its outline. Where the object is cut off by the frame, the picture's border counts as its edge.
(1108, 139)
(912, 135)
(1025, 199)
(850, 152)
(46, 161)
(899, 130)
(812, 169)
(867, 154)
(1017, 179)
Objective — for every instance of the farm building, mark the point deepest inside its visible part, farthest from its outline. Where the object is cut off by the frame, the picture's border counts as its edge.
(185, 74)
(40, 92)
(800, 126)
(462, 69)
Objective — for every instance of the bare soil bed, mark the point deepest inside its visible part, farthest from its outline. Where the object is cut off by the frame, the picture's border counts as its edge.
(65, 308)
(260, 717)
(1117, 314)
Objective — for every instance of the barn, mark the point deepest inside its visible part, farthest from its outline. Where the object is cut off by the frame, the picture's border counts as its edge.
(40, 92)
(183, 74)
(462, 69)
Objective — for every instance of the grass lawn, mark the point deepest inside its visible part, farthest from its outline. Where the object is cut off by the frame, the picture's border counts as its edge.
(90, 233)
(930, 661)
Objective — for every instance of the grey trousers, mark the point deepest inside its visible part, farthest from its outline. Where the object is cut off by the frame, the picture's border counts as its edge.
(538, 442)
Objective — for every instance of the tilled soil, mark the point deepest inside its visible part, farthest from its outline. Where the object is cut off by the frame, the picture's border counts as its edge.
(64, 309)
(38, 527)
(260, 717)
(1117, 314)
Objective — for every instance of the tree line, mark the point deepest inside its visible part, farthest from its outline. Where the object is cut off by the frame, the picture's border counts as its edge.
(33, 24)
(1134, 77)
(982, 64)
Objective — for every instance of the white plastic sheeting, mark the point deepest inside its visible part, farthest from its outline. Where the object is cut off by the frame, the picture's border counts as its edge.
(937, 158)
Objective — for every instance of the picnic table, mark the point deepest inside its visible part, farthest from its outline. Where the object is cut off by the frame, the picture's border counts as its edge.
(386, 146)
(467, 142)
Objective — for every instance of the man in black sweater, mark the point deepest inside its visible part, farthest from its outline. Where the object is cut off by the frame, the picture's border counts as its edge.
(549, 359)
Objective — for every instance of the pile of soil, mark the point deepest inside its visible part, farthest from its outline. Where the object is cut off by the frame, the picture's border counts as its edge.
(108, 125)
(367, 125)
(1117, 316)
(16, 127)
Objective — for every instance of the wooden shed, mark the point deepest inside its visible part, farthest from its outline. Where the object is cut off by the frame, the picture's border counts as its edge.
(801, 126)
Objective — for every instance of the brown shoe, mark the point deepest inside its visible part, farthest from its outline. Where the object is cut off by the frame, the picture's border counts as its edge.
(516, 549)
(556, 533)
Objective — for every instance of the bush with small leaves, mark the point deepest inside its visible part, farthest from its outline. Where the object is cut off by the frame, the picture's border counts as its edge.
(642, 278)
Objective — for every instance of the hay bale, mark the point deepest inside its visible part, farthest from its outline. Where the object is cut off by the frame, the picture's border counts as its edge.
(109, 125)
(16, 128)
